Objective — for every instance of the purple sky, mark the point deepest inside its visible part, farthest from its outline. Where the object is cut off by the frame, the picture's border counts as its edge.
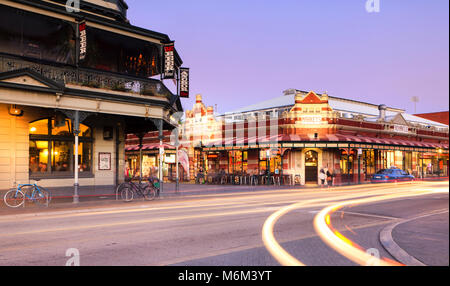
(244, 51)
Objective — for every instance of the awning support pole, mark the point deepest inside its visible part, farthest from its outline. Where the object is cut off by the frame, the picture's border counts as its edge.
(161, 154)
(141, 137)
(76, 131)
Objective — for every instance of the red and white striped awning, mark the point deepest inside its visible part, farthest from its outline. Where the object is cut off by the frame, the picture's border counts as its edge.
(150, 146)
(327, 138)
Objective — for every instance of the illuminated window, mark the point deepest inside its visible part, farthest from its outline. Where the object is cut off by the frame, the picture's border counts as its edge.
(51, 148)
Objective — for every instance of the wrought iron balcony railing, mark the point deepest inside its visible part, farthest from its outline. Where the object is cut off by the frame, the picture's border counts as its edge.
(89, 78)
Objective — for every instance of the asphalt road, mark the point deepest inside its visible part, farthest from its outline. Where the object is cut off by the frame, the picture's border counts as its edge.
(221, 229)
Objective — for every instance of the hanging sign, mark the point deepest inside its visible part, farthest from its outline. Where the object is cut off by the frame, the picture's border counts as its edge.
(184, 82)
(83, 40)
(169, 61)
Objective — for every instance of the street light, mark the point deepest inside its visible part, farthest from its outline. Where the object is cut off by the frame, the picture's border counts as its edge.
(438, 163)
(268, 166)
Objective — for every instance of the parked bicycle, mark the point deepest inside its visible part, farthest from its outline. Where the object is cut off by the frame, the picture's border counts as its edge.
(16, 197)
(129, 189)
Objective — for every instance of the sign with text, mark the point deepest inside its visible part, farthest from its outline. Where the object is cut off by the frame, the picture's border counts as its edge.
(104, 161)
(184, 82)
(169, 61)
(401, 128)
(311, 119)
(83, 40)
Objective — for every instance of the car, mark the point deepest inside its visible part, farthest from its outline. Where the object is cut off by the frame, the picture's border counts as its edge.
(391, 175)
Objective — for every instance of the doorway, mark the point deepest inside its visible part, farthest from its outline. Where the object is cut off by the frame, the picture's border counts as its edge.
(311, 166)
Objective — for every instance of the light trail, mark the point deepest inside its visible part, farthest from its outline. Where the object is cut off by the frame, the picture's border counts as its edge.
(328, 234)
(345, 246)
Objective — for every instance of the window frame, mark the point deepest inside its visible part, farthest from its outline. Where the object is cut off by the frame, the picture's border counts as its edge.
(50, 139)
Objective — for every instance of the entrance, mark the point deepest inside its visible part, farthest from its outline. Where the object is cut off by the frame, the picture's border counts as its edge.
(311, 164)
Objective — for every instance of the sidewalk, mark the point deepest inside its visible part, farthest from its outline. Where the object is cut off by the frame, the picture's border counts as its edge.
(105, 197)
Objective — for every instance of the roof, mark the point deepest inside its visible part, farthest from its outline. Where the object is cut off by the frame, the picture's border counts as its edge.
(338, 104)
(442, 116)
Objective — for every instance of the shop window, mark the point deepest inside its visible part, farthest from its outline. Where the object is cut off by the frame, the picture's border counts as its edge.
(51, 148)
(39, 127)
(346, 162)
(38, 157)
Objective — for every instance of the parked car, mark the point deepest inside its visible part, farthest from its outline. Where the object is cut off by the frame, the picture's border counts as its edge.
(391, 175)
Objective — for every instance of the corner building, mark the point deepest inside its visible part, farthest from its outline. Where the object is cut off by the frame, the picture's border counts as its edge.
(58, 68)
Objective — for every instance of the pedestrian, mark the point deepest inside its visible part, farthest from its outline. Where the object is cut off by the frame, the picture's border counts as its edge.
(322, 177)
(329, 178)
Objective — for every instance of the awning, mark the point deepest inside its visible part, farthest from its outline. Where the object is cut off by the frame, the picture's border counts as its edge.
(150, 146)
(326, 138)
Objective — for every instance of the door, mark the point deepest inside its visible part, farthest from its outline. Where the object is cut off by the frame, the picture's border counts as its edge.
(311, 164)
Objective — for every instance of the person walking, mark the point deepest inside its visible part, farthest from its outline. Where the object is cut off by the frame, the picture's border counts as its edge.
(322, 177)
(329, 178)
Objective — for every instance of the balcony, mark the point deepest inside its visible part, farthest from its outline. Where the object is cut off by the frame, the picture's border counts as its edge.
(89, 78)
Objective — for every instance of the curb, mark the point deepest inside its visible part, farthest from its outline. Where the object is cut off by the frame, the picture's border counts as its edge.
(394, 249)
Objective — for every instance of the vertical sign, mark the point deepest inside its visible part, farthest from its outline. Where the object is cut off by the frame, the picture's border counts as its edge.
(184, 82)
(83, 40)
(169, 61)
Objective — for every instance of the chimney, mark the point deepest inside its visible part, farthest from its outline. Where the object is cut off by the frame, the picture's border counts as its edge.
(382, 115)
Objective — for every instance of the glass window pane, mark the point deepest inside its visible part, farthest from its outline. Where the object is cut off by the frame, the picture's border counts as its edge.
(61, 156)
(61, 126)
(38, 157)
(36, 36)
(84, 157)
(85, 131)
(39, 127)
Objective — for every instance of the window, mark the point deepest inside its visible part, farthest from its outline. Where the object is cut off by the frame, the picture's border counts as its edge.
(51, 148)
(117, 53)
(36, 36)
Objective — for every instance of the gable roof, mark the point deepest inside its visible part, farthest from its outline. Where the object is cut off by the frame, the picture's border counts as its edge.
(42, 83)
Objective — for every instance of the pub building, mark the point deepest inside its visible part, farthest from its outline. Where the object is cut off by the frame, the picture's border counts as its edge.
(73, 84)
(299, 133)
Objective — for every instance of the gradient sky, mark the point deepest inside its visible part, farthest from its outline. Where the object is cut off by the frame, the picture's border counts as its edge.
(244, 51)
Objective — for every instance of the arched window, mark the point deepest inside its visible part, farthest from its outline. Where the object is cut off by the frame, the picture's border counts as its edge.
(51, 148)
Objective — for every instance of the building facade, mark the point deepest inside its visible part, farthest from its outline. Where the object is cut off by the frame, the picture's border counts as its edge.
(68, 76)
(290, 138)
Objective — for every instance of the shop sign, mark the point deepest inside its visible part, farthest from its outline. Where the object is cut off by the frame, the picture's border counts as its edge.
(104, 161)
(311, 119)
(83, 40)
(184, 82)
(170, 159)
(401, 128)
(169, 61)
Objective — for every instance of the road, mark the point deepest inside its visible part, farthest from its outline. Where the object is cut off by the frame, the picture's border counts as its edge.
(262, 228)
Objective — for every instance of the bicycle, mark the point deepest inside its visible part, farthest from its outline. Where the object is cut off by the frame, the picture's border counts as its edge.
(128, 189)
(16, 197)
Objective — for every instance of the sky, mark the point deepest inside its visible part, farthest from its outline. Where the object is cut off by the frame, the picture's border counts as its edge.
(245, 51)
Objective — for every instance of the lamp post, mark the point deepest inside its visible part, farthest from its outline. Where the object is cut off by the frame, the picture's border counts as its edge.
(76, 131)
(268, 166)
(438, 162)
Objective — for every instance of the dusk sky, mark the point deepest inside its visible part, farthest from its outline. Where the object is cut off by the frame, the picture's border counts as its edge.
(244, 51)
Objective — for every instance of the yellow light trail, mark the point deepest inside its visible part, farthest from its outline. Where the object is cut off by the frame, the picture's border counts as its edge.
(322, 225)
